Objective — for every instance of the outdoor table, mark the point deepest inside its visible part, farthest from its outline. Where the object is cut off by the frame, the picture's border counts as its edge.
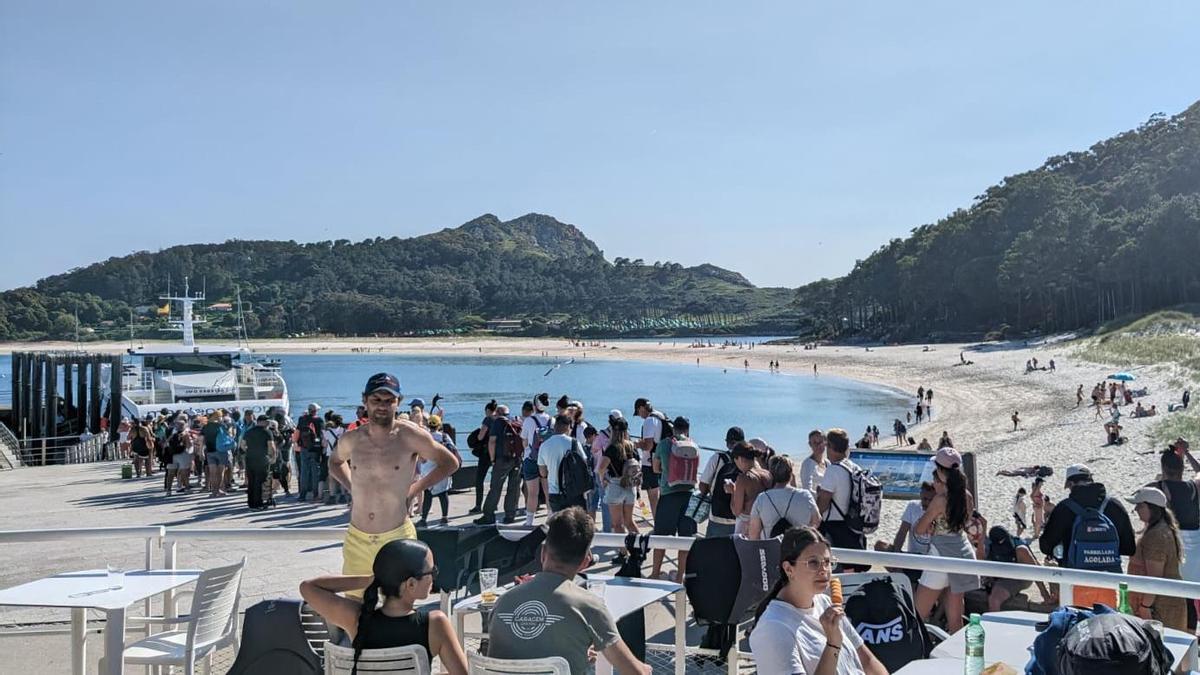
(1009, 635)
(623, 596)
(81, 591)
(932, 667)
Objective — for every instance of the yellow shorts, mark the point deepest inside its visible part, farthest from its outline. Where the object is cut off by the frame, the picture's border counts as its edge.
(359, 549)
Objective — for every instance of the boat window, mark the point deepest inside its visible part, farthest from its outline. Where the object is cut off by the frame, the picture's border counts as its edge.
(190, 363)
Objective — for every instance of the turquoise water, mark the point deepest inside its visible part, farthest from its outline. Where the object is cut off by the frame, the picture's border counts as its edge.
(780, 408)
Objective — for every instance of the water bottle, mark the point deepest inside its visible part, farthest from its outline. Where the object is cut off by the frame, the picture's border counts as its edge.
(974, 657)
(1123, 602)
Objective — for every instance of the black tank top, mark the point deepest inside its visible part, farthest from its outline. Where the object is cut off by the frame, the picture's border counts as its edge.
(139, 446)
(1184, 502)
(382, 632)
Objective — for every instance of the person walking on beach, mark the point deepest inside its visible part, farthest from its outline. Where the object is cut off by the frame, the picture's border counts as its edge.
(1079, 396)
(377, 464)
(1019, 508)
(1039, 506)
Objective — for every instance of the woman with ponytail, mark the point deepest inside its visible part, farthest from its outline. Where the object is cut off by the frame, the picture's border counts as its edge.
(1159, 554)
(797, 628)
(403, 574)
(945, 522)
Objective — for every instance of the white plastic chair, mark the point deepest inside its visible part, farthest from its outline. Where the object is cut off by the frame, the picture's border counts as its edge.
(211, 625)
(413, 659)
(485, 665)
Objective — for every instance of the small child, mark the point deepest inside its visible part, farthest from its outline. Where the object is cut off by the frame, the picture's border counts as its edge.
(1019, 508)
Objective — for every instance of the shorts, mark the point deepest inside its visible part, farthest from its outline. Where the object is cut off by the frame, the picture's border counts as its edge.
(614, 494)
(359, 549)
(218, 458)
(649, 478)
(671, 518)
(529, 469)
(181, 461)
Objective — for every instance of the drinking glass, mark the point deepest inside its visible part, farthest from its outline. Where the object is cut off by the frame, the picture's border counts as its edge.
(116, 576)
(487, 584)
(597, 586)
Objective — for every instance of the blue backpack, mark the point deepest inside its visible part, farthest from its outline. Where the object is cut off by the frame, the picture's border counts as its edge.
(225, 442)
(1095, 544)
(1044, 653)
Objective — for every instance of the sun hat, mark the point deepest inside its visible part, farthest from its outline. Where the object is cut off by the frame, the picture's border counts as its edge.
(1149, 495)
(948, 458)
(382, 382)
(1075, 471)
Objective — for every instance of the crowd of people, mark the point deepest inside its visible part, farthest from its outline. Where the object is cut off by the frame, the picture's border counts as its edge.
(390, 467)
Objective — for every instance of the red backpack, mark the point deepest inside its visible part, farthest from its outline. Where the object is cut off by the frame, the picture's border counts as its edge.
(514, 446)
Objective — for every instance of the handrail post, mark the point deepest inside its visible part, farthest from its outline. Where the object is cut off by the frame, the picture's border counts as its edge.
(169, 564)
(681, 631)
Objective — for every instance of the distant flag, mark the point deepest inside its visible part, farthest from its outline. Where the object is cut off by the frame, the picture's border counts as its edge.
(165, 310)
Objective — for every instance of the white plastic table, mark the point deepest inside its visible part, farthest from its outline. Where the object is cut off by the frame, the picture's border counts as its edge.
(932, 667)
(1009, 635)
(81, 591)
(623, 596)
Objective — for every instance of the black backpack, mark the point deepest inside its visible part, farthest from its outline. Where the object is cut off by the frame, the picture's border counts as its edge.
(722, 502)
(1113, 644)
(575, 472)
(1001, 546)
(886, 618)
(783, 524)
(281, 637)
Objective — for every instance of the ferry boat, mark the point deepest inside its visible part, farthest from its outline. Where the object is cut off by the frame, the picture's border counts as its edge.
(197, 379)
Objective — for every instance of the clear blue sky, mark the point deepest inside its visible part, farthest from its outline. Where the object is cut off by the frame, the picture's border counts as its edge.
(783, 140)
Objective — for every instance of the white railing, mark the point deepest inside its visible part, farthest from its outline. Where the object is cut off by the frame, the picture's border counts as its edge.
(167, 538)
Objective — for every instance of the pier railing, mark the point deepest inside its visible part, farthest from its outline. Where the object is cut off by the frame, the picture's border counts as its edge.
(166, 538)
(65, 450)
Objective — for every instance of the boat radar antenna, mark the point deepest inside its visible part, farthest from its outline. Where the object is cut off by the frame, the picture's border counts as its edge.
(187, 321)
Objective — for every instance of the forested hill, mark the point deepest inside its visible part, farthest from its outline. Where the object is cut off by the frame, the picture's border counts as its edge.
(533, 268)
(1088, 236)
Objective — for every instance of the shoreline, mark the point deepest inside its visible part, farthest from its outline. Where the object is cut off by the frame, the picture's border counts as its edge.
(973, 403)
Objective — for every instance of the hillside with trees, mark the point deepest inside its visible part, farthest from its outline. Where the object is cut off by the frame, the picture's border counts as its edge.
(1087, 237)
(534, 269)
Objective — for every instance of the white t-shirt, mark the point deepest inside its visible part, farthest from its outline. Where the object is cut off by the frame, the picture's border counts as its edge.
(812, 473)
(529, 428)
(709, 473)
(797, 506)
(332, 436)
(837, 481)
(912, 513)
(652, 429)
(790, 640)
(550, 455)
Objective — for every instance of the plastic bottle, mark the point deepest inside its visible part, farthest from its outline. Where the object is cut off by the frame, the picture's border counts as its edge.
(1123, 599)
(973, 664)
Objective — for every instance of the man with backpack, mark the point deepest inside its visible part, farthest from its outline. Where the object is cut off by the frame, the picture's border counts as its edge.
(719, 468)
(1088, 531)
(505, 449)
(840, 499)
(651, 434)
(535, 429)
(310, 436)
(564, 467)
(676, 461)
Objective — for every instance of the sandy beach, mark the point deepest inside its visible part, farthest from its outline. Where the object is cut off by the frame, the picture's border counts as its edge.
(974, 403)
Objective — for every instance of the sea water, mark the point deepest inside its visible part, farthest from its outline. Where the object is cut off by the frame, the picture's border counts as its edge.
(781, 408)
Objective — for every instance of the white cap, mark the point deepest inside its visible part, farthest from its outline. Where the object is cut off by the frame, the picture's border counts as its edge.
(615, 414)
(1149, 495)
(1076, 470)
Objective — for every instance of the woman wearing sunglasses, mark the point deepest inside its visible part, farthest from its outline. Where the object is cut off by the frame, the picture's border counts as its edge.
(403, 574)
(797, 628)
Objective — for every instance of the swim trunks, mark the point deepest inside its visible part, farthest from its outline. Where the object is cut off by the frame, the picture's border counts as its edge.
(359, 549)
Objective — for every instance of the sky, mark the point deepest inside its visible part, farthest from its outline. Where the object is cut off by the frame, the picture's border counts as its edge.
(783, 140)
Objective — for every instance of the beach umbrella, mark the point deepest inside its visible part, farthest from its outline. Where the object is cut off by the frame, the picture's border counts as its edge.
(1123, 377)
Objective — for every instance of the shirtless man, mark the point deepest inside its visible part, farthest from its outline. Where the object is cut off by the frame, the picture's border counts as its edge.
(377, 464)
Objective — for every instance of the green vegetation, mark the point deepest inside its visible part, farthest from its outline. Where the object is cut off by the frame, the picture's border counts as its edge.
(1162, 338)
(545, 273)
(1086, 237)
(1178, 425)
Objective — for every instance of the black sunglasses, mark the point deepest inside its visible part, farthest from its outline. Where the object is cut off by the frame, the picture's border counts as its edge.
(433, 571)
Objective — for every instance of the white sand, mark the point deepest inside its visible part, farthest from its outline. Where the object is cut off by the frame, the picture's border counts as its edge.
(974, 403)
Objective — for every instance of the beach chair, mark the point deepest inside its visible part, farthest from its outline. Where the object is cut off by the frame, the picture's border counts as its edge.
(210, 625)
(413, 659)
(479, 664)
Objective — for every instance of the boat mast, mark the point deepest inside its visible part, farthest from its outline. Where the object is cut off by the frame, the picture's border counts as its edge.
(186, 321)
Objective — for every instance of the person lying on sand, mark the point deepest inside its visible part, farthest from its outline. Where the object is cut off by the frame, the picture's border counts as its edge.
(1036, 470)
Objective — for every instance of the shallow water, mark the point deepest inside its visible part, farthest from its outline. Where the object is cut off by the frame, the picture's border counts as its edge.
(780, 408)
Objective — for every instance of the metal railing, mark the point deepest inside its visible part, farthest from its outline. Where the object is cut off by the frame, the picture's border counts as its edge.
(65, 450)
(167, 538)
(10, 448)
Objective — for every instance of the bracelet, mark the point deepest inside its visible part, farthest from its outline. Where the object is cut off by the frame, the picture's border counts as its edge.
(836, 648)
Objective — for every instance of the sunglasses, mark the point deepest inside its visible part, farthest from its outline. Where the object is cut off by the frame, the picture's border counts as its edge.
(432, 571)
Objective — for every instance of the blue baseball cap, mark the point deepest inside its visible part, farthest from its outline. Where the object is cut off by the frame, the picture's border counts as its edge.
(382, 382)
(417, 403)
